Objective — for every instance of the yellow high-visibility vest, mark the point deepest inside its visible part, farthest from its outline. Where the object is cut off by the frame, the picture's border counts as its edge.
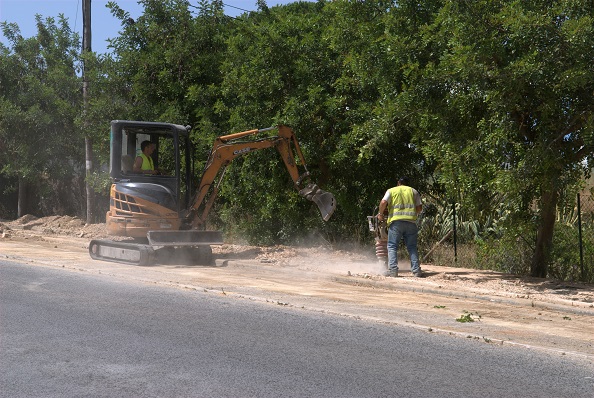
(402, 204)
(147, 162)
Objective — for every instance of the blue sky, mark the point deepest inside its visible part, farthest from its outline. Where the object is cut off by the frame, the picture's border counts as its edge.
(103, 24)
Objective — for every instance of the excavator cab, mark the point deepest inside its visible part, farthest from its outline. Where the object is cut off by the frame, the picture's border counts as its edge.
(142, 202)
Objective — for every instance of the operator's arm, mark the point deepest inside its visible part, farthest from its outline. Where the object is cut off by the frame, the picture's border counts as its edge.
(137, 168)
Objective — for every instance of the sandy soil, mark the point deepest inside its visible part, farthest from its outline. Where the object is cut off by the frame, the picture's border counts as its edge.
(483, 306)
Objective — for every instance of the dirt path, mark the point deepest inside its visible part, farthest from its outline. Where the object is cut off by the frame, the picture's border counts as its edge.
(498, 309)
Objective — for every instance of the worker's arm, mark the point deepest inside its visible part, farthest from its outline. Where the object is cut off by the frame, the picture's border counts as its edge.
(382, 208)
(418, 203)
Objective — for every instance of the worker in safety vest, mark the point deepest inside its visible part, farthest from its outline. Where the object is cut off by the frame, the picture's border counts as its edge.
(144, 162)
(403, 204)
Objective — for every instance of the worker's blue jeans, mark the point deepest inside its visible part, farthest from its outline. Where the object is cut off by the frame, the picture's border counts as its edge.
(408, 231)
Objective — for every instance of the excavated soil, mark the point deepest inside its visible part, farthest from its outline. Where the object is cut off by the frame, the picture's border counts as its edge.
(487, 306)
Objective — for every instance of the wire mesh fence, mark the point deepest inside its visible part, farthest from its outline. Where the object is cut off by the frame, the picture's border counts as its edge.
(446, 239)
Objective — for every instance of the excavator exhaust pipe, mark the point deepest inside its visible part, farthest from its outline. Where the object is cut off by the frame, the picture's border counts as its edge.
(324, 200)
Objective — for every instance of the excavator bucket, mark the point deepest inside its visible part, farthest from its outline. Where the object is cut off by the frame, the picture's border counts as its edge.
(324, 200)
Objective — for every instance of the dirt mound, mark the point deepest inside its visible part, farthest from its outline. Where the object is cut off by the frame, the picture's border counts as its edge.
(54, 225)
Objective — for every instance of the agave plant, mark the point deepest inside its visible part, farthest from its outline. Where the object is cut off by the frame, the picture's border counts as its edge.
(438, 220)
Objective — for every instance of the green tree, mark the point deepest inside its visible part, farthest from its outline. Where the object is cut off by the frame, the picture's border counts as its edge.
(504, 103)
(39, 100)
(168, 65)
(376, 40)
(279, 69)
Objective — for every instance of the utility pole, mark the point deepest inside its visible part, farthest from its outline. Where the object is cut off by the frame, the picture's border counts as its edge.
(86, 48)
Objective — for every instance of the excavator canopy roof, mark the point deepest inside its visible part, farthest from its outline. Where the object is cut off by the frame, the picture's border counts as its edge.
(140, 127)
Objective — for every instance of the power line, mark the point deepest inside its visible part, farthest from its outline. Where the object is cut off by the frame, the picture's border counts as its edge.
(227, 5)
(237, 8)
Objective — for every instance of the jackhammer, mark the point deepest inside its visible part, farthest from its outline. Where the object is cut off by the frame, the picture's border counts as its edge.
(380, 231)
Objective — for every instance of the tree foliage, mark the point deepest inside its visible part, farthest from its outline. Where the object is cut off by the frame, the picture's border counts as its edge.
(479, 102)
(39, 100)
(505, 104)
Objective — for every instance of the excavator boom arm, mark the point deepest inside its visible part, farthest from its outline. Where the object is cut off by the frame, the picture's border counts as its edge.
(228, 147)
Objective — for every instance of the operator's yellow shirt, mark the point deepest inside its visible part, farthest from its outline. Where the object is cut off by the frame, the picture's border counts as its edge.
(147, 162)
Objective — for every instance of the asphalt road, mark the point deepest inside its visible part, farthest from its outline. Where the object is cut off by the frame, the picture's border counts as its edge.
(71, 334)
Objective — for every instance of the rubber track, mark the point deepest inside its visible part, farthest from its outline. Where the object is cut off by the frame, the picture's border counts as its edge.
(122, 252)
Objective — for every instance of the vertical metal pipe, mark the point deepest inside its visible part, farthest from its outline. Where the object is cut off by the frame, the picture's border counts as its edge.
(455, 234)
(579, 209)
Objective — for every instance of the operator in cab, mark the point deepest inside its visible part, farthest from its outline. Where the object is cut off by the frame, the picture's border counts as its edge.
(144, 162)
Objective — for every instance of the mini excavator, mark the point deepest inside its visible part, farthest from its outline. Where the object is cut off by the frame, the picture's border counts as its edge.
(163, 211)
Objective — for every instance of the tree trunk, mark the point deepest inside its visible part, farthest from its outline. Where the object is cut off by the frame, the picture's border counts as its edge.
(544, 237)
(22, 198)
